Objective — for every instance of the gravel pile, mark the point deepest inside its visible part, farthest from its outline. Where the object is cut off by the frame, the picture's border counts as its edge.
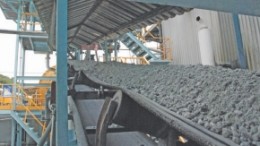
(222, 100)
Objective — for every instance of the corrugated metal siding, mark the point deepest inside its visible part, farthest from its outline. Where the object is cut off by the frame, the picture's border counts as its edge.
(250, 28)
(183, 31)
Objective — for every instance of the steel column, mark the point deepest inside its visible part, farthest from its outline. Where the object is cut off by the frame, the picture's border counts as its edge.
(240, 49)
(14, 124)
(21, 65)
(106, 50)
(247, 7)
(77, 54)
(19, 135)
(61, 86)
(31, 9)
(115, 49)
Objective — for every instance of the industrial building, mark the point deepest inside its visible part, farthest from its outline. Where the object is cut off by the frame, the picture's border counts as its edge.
(134, 73)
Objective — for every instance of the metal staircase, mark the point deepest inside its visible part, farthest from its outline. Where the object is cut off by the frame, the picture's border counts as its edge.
(72, 138)
(27, 126)
(137, 47)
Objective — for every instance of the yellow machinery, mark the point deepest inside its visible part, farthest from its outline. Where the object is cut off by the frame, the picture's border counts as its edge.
(25, 98)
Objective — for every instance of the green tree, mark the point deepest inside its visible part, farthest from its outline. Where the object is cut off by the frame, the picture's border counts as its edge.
(5, 80)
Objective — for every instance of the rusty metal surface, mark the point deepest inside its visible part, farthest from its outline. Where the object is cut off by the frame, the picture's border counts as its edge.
(93, 20)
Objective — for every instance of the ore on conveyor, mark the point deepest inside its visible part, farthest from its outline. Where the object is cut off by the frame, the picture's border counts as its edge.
(224, 101)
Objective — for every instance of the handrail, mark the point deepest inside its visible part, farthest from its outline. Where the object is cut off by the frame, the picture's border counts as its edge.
(139, 60)
(20, 96)
(30, 113)
(27, 97)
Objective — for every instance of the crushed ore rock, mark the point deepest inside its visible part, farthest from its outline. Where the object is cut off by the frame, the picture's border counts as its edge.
(222, 100)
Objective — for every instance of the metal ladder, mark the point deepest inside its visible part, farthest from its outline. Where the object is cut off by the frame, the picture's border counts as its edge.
(137, 47)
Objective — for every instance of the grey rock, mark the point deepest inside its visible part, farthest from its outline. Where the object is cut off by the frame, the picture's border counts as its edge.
(236, 140)
(226, 132)
(211, 94)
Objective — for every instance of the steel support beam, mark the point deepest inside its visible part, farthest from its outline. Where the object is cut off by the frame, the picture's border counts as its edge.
(9, 3)
(35, 78)
(240, 49)
(36, 85)
(247, 7)
(61, 86)
(25, 33)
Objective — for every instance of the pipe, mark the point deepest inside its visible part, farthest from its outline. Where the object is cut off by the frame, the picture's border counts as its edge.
(45, 135)
(25, 34)
(96, 51)
(48, 60)
(206, 49)
(52, 137)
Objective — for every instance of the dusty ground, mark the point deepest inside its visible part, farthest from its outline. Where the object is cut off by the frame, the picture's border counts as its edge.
(224, 101)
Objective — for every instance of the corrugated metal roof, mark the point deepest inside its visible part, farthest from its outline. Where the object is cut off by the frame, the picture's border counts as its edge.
(94, 20)
(9, 9)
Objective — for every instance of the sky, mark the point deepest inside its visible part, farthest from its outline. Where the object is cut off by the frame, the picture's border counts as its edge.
(35, 64)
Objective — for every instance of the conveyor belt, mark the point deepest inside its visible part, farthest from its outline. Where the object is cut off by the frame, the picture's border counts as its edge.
(89, 110)
(139, 113)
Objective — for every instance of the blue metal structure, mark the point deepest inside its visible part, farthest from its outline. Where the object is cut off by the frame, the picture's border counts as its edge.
(240, 50)
(28, 129)
(247, 7)
(14, 124)
(137, 47)
(61, 86)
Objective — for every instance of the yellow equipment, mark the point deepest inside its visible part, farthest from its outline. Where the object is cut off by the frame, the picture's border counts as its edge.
(26, 98)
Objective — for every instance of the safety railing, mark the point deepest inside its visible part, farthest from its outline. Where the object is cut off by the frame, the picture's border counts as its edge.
(166, 48)
(131, 60)
(21, 101)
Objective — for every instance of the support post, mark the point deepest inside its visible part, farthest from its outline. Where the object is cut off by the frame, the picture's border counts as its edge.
(61, 86)
(31, 10)
(115, 49)
(14, 124)
(77, 54)
(240, 50)
(19, 135)
(106, 50)
(22, 65)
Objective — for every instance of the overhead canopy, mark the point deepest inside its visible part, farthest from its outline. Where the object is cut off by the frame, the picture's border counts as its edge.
(246, 7)
(95, 20)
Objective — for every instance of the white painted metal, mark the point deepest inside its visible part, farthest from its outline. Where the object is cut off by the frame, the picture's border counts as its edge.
(206, 50)
(182, 30)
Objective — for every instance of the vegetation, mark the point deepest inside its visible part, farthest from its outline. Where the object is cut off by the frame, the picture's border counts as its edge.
(5, 80)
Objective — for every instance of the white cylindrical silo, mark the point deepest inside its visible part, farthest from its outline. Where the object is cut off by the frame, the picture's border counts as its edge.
(206, 49)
